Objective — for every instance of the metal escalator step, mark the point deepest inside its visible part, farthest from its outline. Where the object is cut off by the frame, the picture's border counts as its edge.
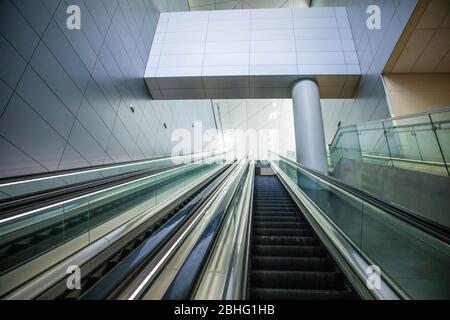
(281, 225)
(269, 201)
(278, 213)
(276, 191)
(73, 295)
(262, 197)
(299, 294)
(287, 259)
(297, 280)
(278, 219)
(90, 282)
(130, 246)
(292, 264)
(116, 258)
(276, 205)
(100, 272)
(287, 251)
(282, 232)
(125, 253)
(277, 197)
(270, 192)
(275, 210)
(267, 218)
(137, 243)
(286, 240)
(141, 237)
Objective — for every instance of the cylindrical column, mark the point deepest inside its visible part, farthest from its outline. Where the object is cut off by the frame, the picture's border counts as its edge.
(308, 123)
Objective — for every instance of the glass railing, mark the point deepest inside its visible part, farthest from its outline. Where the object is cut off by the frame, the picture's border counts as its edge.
(29, 235)
(414, 260)
(24, 186)
(418, 142)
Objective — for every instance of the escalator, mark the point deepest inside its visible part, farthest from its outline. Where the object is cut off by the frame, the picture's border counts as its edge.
(96, 270)
(35, 236)
(288, 260)
(106, 275)
(35, 239)
(264, 231)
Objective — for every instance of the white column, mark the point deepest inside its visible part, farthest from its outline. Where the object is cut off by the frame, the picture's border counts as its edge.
(308, 123)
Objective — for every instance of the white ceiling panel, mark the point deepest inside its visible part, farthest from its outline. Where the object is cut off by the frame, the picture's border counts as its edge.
(198, 5)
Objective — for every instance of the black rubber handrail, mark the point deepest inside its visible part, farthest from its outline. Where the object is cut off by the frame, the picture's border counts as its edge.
(17, 205)
(432, 228)
(114, 278)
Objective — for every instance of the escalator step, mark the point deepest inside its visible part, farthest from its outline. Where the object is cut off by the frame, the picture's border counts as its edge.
(271, 195)
(142, 237)
(285, 213)
(130, 246)
(266, 218)
(283, 232)
(100, 272)
(286, 240)
(292, 264)
(287, 251)
(277, 206)
(73, 295)
(137, 243)
(125, 253)
(299, 294)
(115, 259)
(281, 225)
(288, 260)
(297, 280)
(278, 197)
(274, 204)
(90, 282)
(271, 199)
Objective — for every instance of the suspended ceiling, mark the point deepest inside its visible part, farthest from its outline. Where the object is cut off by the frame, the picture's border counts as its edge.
(196, 5)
